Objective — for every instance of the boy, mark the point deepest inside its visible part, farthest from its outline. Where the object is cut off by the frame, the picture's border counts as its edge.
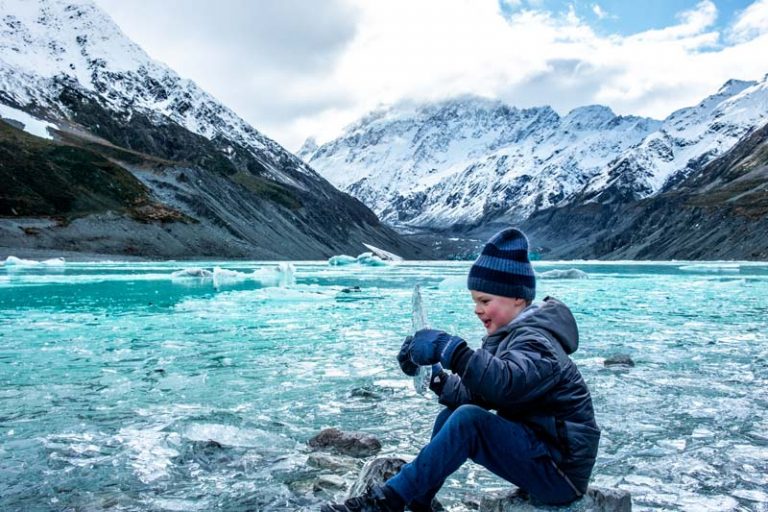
(542, 436)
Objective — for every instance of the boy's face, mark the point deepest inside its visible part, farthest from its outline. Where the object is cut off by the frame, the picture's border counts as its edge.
(496, 311)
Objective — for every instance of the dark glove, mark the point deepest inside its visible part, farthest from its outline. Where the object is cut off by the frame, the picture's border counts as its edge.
(404, 358)
(430, 346)
(437, 382)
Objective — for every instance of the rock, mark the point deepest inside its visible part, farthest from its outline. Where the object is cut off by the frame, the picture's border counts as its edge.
(331, 462)
(620, 360)
(597, 499)
(366, 392)
(328, 483)
(355, 444)
(378, 471)
(610, 500)
(375, 472)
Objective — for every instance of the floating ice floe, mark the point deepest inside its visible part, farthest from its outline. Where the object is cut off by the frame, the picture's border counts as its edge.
(381, 253)
(571, 273)
(711, 267)
(13, 261)
(371, 260)
(366, 258)
(341, 260)
(193, 273)
(281, 275)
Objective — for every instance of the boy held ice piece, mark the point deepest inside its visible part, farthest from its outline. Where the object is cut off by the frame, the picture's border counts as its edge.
(542, 436)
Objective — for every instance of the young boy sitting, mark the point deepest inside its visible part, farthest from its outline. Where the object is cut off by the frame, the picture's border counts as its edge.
(542, 436)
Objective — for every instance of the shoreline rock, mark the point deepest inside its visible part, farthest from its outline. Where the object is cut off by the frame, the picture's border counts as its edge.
(355, 444)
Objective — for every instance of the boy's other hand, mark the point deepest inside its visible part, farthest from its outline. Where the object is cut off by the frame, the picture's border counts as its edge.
(404, 359)
(430, 346)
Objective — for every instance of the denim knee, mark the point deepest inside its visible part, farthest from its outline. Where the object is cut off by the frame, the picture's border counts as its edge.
(467, 419)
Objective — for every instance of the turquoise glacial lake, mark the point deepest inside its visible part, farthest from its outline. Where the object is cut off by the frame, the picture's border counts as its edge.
(127, 387)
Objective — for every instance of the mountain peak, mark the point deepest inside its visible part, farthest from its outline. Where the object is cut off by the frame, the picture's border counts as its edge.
(589, 116)
(733, 87)
(65, 37)
(307, 149)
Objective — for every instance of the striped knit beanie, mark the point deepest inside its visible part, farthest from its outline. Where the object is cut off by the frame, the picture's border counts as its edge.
(503, 267)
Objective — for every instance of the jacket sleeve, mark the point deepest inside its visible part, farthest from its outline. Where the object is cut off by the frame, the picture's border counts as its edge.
(519, 374)
(454, 393)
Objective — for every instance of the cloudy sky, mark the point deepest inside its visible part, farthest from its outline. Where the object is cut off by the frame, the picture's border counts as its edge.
(299, 68)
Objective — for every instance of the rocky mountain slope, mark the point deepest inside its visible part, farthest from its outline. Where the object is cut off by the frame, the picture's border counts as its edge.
(194, 179)
(717, 212)
(468, 164)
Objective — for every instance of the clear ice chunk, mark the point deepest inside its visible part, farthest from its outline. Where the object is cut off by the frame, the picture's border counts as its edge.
(419, 321)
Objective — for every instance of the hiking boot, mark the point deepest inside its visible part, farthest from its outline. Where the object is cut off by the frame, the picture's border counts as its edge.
(420, 507)
(375, 500)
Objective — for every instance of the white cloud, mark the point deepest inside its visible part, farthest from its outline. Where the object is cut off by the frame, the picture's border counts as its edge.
(599, 12)
(751, 22)
(312, 72)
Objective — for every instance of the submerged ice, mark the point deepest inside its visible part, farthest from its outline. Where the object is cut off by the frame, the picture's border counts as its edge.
(123, 387)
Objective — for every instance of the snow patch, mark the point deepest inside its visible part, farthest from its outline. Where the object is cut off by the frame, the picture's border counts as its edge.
(30, 124)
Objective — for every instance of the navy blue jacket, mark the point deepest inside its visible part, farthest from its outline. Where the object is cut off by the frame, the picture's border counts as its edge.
(524, 373)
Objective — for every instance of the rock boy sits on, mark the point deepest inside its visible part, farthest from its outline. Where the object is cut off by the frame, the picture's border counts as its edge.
(542, 436)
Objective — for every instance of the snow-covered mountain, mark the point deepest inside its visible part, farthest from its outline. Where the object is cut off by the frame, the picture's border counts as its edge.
(686, 141)
(66, 63)
(46, 46)
(469, 161)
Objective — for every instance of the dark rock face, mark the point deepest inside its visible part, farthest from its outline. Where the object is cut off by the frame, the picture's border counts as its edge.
(110, 200)
(355, 444)
(621, 360)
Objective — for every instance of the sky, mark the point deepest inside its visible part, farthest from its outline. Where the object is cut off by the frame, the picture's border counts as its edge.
(300, 68)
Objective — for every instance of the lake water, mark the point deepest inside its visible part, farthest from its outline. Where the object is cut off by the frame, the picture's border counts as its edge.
(116, 377)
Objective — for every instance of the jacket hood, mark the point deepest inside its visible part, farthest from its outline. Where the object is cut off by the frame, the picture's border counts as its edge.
(553, 316)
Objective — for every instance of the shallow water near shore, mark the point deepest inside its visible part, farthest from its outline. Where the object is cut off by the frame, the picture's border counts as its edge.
(124, 387)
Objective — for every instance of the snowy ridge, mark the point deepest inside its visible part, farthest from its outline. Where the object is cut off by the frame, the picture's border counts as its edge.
(687, 140)
(46, 44)
(469, 159)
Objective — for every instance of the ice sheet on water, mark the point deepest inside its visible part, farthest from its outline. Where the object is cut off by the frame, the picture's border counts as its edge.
(192, 273)
(367, 259)
(281, 275)
(13, 261)
(571, 273)
(341, 260)
(231, 435)
(150, 451)
(711, 267)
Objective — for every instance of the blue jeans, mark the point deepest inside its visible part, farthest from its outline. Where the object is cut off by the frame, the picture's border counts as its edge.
(507, 448)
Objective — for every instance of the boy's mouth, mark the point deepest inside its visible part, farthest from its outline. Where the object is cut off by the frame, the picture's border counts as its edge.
(486, 323)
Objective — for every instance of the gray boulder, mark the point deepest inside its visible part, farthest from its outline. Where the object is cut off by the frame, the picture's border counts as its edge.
(354, 444)
(619, 360)
(597, 499)
(375, 472)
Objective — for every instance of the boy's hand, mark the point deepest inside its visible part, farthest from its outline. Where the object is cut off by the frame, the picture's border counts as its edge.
(430, 346)
(404, 359)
